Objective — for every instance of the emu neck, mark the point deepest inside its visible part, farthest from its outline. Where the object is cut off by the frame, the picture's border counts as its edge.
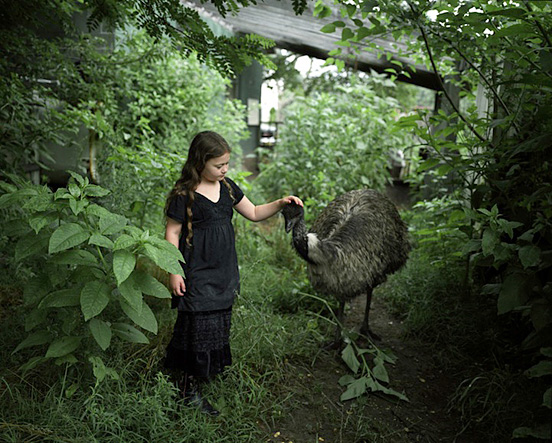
(300, 240)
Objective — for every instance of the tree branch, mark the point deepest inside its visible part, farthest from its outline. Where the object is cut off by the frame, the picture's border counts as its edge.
(476, 69)
(430, 54)
(537, 23)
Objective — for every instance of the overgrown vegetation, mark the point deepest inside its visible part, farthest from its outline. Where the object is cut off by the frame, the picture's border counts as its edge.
(477, 286)
(141, 403)
(495, 157)
(334, 142)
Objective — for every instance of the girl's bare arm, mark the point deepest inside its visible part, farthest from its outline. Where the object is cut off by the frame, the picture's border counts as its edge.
(262, 212)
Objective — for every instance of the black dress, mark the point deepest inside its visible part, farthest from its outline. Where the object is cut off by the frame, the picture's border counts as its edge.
(200, 342)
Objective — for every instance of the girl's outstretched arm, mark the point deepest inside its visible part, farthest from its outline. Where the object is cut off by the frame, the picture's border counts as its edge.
(262, 212)
(172, 235)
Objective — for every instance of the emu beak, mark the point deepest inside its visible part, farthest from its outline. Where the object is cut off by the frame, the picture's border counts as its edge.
(289, 226)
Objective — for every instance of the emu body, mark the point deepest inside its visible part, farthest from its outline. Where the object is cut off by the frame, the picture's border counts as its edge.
(353, 245)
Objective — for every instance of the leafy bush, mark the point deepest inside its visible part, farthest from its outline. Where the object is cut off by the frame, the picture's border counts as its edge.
(333, 143)
(87, 280)
(157, 105)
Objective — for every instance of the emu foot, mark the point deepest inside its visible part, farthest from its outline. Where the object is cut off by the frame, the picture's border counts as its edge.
(367, 332)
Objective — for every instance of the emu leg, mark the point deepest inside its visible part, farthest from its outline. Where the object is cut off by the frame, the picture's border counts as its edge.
(365, 328)
(339, 314)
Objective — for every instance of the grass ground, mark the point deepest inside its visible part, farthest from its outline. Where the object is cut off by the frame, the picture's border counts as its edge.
(281, 388)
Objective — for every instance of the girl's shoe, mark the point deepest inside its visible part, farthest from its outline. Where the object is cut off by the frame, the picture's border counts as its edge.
(191, 396)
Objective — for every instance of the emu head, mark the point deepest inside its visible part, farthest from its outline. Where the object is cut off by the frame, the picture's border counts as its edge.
(293, 214)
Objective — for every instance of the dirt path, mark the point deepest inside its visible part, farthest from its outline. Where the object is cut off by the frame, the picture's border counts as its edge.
(319, 416)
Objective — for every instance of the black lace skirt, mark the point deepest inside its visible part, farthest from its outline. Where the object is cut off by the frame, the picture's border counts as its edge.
(200, 344)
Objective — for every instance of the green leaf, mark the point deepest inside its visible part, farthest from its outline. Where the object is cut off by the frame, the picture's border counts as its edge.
(77, 177)
(346, 379)
(35, 318)
(41, 220)
(150, 285)
(542, 432)
(145, 319)
(130, 292)
(94, 298)
(129, 333)
(60, 299)
(547, 352)
(63, 346)
(509, 12)
(35, 339)
(516, 29)
(541, 369)
(98, 368)
(15, 228)
(123, 264)
(101, 240)
(71, 390)
(362, 33)
(67, 236)
(66, 359)
(97, 210)
(347, 34)
(74, 190)
(547, 398)
(529, 256)
(355, 389)
(513, 293)
(379, 370)
(124, 241)
(30, 245)
(95, 191)
(489, 241)
(101, 331)
(169, 248)
(328, 29)
(77, 206)
(32, 363)
(349, 357)
(162, 259)
(389, 391)
(75, 257)
(111, 223)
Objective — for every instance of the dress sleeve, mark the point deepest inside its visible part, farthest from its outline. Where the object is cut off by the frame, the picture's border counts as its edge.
(177, 208)
(236, 191)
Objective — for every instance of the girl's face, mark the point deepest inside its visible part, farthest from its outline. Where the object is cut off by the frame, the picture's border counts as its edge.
(216, 168)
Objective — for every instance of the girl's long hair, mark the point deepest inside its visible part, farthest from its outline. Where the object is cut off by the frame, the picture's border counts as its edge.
(205, 146)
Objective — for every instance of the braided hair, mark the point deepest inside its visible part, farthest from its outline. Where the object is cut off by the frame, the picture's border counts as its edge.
(205, 146)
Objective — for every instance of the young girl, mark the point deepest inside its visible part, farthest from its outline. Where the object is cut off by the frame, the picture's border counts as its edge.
(199, 222)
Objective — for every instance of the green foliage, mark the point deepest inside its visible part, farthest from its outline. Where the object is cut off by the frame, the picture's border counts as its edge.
(187, 30)
(141, 103)
(497, 158)
(139, 402)
(86, 281)
(368, 364)
(333, 143)
(156, 110)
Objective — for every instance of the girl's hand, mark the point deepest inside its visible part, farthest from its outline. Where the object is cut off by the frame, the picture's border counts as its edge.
(291, 199)
(176, 282)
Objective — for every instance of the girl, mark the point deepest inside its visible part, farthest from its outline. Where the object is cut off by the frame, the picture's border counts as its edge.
(199, 222)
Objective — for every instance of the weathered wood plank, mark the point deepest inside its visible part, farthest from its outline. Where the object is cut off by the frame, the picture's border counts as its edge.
(276, 20)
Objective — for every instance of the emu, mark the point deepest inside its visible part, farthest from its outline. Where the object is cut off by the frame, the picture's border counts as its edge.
(353, 245)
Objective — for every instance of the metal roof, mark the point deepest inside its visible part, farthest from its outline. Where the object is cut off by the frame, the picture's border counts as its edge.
(276, 20)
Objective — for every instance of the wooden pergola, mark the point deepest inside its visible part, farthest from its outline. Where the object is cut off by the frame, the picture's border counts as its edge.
(276, 20)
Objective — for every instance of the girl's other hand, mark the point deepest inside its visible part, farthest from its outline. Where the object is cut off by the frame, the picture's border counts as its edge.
(292, 199)
(176, 282)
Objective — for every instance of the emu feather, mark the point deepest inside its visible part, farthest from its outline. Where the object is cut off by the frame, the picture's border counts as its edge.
(353, 245)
